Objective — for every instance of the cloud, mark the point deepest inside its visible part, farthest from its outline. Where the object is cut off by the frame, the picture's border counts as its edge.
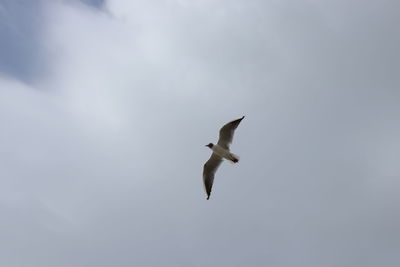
(21, 33)
(103, 153)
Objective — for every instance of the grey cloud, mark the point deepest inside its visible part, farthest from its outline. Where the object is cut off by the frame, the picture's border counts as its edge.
(106, 170)
(95, 3)
(21, 39)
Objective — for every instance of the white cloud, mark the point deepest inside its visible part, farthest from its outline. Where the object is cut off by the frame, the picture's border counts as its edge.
(102, 156)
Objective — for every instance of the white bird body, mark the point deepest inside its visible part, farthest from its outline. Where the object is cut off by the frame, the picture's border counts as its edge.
(220, 152)
(224, 153)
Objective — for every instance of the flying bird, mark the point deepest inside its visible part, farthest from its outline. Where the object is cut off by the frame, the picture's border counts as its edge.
(220, 152)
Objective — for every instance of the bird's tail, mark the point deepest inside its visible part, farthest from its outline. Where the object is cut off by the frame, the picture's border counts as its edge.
(234, 158)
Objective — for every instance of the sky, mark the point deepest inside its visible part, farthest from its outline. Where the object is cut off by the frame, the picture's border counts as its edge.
(106, 108)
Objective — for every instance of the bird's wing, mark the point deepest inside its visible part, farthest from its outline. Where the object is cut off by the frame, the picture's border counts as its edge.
(226, 133)
(209, 170)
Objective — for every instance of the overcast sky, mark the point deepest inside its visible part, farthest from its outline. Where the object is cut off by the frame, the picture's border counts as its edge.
(105, 108)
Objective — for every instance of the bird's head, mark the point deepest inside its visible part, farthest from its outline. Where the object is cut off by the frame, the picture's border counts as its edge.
(210, 145)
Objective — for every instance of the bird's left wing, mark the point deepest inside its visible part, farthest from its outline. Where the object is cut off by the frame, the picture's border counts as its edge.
(209, 170)
(226, 133)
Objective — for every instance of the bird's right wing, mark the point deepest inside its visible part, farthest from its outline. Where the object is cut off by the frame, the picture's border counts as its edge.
(209, 170)
(226, 133)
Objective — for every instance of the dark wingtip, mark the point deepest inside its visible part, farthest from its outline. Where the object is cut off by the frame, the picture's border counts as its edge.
(208, 197)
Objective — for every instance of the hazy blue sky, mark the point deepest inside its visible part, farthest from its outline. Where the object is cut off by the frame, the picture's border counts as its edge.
(105, 108)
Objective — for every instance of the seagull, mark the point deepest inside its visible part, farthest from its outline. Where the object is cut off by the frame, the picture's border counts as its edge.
(220, 152)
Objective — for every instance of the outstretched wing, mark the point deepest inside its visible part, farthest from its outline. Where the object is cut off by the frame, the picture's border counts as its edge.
(209, 170)
(226, 133)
